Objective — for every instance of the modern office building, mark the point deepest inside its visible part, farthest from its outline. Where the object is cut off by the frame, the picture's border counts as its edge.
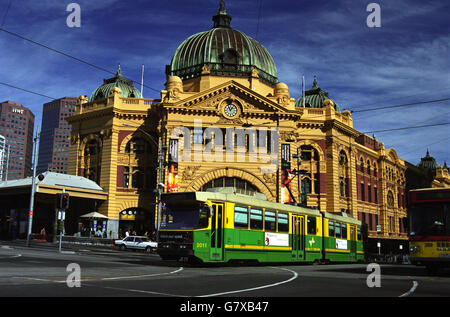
(55, 133)
(17, 126)
(3, 156)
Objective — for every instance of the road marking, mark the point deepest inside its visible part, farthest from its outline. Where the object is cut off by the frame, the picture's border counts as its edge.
(415, 284)
(11, 257)
(256, 288)
(102, 279)
(138, 276)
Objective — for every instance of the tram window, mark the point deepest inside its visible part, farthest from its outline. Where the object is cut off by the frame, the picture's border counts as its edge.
(256, 219)
(358, 230)
(337, 230)
(344, 230)
(270, 219)
(283, 222)
(241, 217)
(331, 228)
(312, 225)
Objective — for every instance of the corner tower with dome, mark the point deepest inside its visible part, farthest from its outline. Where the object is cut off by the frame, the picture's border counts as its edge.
(225, 120)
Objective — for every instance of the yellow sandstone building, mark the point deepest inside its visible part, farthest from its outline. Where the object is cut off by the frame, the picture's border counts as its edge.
(225, 120)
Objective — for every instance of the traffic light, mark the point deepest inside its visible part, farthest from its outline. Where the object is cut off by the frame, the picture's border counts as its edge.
(62, 201)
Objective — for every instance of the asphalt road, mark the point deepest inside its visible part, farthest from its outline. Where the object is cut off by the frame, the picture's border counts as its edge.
(41, 271)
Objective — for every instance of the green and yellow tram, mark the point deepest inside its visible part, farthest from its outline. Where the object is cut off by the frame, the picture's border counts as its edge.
(221, 226)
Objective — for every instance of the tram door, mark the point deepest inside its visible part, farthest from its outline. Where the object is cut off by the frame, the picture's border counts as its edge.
(353, 242)
(298, 238)
(216, 250)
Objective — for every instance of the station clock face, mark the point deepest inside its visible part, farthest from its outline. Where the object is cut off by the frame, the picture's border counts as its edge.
(230, 110)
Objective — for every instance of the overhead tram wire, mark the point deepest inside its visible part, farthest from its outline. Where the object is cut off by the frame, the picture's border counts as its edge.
(401, 105)
(26, 90)
(69, 56)
(407, 128)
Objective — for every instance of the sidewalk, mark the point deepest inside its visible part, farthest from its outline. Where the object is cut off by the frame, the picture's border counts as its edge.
(72, 244)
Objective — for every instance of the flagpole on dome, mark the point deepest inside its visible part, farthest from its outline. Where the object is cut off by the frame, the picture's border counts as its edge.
(303, 91)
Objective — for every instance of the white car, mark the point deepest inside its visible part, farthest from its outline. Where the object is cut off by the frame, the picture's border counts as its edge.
(137, 243)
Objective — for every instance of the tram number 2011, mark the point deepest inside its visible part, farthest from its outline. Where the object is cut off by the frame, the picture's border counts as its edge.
(201, 245)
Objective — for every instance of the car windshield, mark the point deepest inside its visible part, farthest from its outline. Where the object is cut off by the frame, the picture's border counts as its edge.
(185, 216)
(430, 219)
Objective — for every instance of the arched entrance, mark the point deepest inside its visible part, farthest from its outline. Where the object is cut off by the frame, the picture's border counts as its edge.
(137, 221)
(233, 177)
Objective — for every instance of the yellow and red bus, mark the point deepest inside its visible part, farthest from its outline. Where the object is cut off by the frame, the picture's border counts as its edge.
(429, 220)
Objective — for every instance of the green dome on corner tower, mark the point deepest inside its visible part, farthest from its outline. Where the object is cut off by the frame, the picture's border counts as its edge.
(225, 51)
(315, 97)
(125, 85)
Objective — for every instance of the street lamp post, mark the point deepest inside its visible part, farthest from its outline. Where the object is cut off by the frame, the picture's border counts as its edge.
(33, 189)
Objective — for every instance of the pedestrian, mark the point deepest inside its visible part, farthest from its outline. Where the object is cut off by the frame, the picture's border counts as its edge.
(43, 234)
(127, 233)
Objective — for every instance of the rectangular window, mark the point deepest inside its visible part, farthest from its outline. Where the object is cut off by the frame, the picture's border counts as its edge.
(344, 231)
(363, 197)
(311, 225)
(337, 230)
(283, 222)
(256, 219)
(241, 217)
(126, 177)
(270, 220)
(331, 228)
(358, 232)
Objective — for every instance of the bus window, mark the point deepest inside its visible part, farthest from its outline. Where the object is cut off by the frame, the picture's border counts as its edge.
(331, 228)
(337, 230)
(344, 230)
(311, 225)
(256, 219)
(241, 217)
(283, 222)
(270, 219)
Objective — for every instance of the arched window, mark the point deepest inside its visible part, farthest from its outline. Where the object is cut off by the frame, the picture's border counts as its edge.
(92, 160)
(309, 173)
(139, 173)
(343, 175)
(390, 199)
(361, 163)
(235, 182)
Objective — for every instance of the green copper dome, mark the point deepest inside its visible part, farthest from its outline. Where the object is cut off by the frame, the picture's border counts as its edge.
(315, 97)
(125, 85)
(225, 51)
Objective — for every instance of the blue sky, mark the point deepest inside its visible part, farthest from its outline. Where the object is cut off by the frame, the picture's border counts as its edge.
(406, 60)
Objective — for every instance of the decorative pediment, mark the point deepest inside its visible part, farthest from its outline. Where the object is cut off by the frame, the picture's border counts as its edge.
(215, 99)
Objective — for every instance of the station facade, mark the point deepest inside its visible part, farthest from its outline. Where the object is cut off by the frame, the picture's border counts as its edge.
(225, 120)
